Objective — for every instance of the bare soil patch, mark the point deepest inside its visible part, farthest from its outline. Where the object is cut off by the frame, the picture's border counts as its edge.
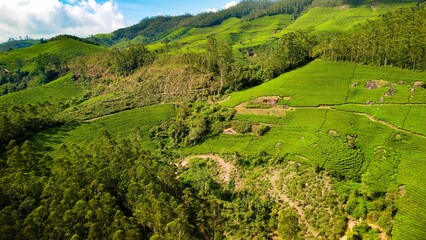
(373, 84)
(419, 84)
(227, 170)
(229, 131)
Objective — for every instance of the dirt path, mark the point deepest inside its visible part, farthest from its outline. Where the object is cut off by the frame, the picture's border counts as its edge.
(390, 125)
(277, 110)
(280, 111)
(283, 197)
(382, 231)
(227, 169)
(98, 118)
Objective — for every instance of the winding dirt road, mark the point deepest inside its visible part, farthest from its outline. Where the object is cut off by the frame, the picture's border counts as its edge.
(227, 169)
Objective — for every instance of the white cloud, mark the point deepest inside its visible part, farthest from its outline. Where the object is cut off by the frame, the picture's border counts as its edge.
(211, 10)
(47, 18)
(230, 4)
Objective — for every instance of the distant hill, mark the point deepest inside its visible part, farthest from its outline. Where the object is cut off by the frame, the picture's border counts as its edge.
(17, 44)
(68, 47)
(159, 28)
(41, 63)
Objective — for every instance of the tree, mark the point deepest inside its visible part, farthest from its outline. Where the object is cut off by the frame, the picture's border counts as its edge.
(49, 66)
(288, 225)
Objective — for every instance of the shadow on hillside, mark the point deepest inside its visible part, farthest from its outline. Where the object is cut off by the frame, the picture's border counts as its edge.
(53, 136)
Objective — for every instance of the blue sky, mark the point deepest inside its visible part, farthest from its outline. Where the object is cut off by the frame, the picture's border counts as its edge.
(48, 18)
(134, 11)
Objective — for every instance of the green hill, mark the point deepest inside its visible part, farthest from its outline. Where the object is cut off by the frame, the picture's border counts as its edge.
(243, 32)
(61, 90)
(343, 18)
(330, 83)
(17, 44)
(67, 47)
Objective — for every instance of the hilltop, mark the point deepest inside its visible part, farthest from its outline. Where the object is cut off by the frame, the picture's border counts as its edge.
(16, 44)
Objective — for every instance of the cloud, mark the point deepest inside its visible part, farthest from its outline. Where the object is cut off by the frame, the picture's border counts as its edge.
(230, 4)
(211, 10)
(47, 18)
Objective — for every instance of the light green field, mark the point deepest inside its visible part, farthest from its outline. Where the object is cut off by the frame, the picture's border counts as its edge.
(59, 91)
(264, 30)
(123, 123)
(241, 34)
(404, 116)
(411, 216)
(338, 19)
(66, 47)
(330, 83)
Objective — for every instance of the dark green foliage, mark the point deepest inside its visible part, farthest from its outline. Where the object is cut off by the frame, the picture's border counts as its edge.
(260, 130)
(293, 49)
(125, 61)
(111, 188)
(242, 126)
(363, 231)
(270, 8)
(13, 81)
(49, 66)
(396, 39)
(192, 125)
(288, 226)
(150, 28)
(17, 44)
(20, 122)
(67, 36)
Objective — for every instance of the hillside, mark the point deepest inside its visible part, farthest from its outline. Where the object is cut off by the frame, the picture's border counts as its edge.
(41, 63)
(247, 31)
(268, 120)
(17, 44)
(67, 47)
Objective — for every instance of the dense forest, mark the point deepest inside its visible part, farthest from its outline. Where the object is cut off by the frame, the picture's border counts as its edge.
(396, 39)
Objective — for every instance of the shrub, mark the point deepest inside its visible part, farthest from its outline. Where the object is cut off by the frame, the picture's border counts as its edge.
(260, 130)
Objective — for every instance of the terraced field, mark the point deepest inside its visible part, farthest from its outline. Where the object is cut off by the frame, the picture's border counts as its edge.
(391, 114)
(264, 30)
(329, 83)
(343, 18)
(123, 123)
(59, 91)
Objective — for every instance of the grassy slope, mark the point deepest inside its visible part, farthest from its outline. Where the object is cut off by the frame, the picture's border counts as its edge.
(323, 82)
(7, 46)
(338, 19)
(411, 217)
(266, 29)
(60, 90)
(67, 47)
(409, 117)
(123, 123)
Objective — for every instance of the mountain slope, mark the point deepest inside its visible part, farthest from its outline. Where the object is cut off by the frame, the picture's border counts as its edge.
(66, 47)
(17, 44)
